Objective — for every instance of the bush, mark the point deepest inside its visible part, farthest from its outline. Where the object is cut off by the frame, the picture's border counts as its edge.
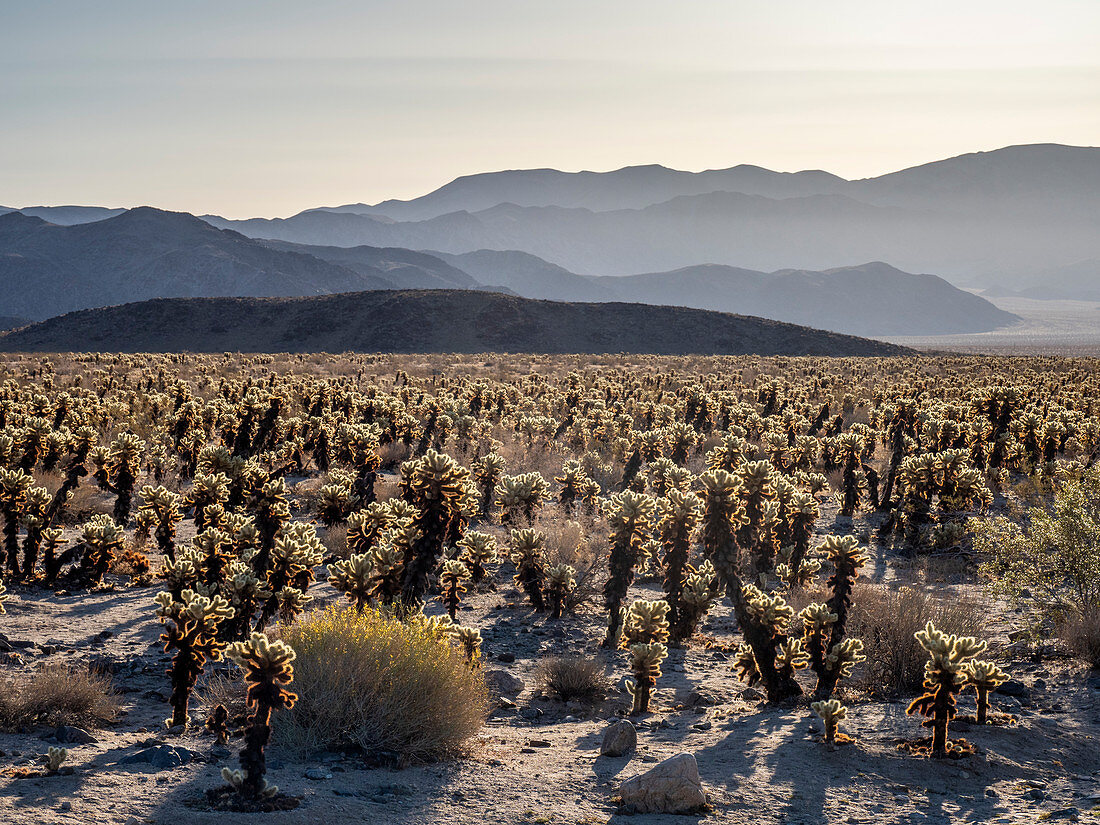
(885, 620)
(574, 678)
(1082, 634)
(58, 695)
(1053, 562)
(367, 680)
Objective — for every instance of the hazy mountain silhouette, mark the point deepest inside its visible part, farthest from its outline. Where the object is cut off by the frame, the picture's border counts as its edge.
(46, 269)
(404, 268)
(66, 215)
(394, 321)
(1007, 214)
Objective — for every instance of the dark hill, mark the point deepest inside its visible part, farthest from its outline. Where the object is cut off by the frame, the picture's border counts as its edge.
(424, 321)
(47, 269)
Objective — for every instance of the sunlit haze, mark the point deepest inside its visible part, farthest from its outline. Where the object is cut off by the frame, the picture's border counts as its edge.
(267, 108)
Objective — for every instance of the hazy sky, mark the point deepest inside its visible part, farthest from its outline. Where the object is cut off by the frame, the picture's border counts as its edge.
(267, 107)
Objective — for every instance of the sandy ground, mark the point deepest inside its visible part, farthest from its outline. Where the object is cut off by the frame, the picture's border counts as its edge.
(759, 764)
(1047, 328)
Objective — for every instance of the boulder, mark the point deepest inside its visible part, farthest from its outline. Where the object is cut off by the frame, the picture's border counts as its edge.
(503, 683)
(162, 757)
(670, 787)
(619, 738)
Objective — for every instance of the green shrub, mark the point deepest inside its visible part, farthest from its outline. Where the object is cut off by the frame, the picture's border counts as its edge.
(367, 680)
(1053, 562)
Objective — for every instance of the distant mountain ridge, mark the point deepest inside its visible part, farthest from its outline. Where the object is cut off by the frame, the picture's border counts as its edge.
(1008, 213)
(145, 253)
(395, 321)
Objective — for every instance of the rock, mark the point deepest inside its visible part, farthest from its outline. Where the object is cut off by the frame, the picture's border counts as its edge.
(703, 698)
(750, 694)
(1014, 687)
(530, 713)
(68, 735)
(317, 774)
(670, 787)
(161, 757)
(619, 738)
(503, 683)
(507, 658)
(1070, 813)
(540, 743)
(1035, 795)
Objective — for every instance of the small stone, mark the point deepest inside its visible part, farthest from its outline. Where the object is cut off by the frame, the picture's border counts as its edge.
(506, 657)
(671, 787)
(750, 694)
(540, 743)
(619, 738)
(1070, 813)
(1035, 795)
(65, 806)
(317, 774)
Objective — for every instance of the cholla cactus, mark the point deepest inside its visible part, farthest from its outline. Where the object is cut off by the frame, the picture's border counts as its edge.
(352, 577)
(367, 525)
(853, 483)
(122, 466)
(218, 724)
(645, 666)
(832, 713)
(984, 677)
(797, 570)
(757, 491)
(630, 515)
(573, 481)
(208, 490)
(3, 596)
(525, 552)
(770, 655)
(100, 540)
(14, 485)
(246, 594)
(267, 671)
(297, 551)
(831, 655)
(560, 584)
(55, 758)
(518, 496)
(487, 472)
(271, 511)
(192, 631)
(476, 551)
(34, 520)
(469, 640)
(678, 516)
(452, 582)
(646, 621)
(160, 508)
(336, 501)
(944, 678)
(696, 598)
(444, 499)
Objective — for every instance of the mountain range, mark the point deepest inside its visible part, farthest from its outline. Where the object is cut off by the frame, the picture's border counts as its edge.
(424, 321)
(985, 218)
(144, 253)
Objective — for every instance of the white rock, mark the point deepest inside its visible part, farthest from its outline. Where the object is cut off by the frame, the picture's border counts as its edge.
(671, 787)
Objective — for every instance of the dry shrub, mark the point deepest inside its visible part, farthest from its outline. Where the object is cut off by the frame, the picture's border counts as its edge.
(369, 681)
(335, 540)
(1082, 634)
(574, 678)
(887, 619)
(225, 688)
(58, 695)
(581, 545)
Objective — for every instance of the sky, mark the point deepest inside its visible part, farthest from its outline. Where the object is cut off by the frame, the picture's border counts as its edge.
(265, 107)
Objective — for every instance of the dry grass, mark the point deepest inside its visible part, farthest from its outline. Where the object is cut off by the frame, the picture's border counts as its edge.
(58, 695)
(1082, 634)
(574, 678)
(225, 688)
(369, 681)
(887, 619)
